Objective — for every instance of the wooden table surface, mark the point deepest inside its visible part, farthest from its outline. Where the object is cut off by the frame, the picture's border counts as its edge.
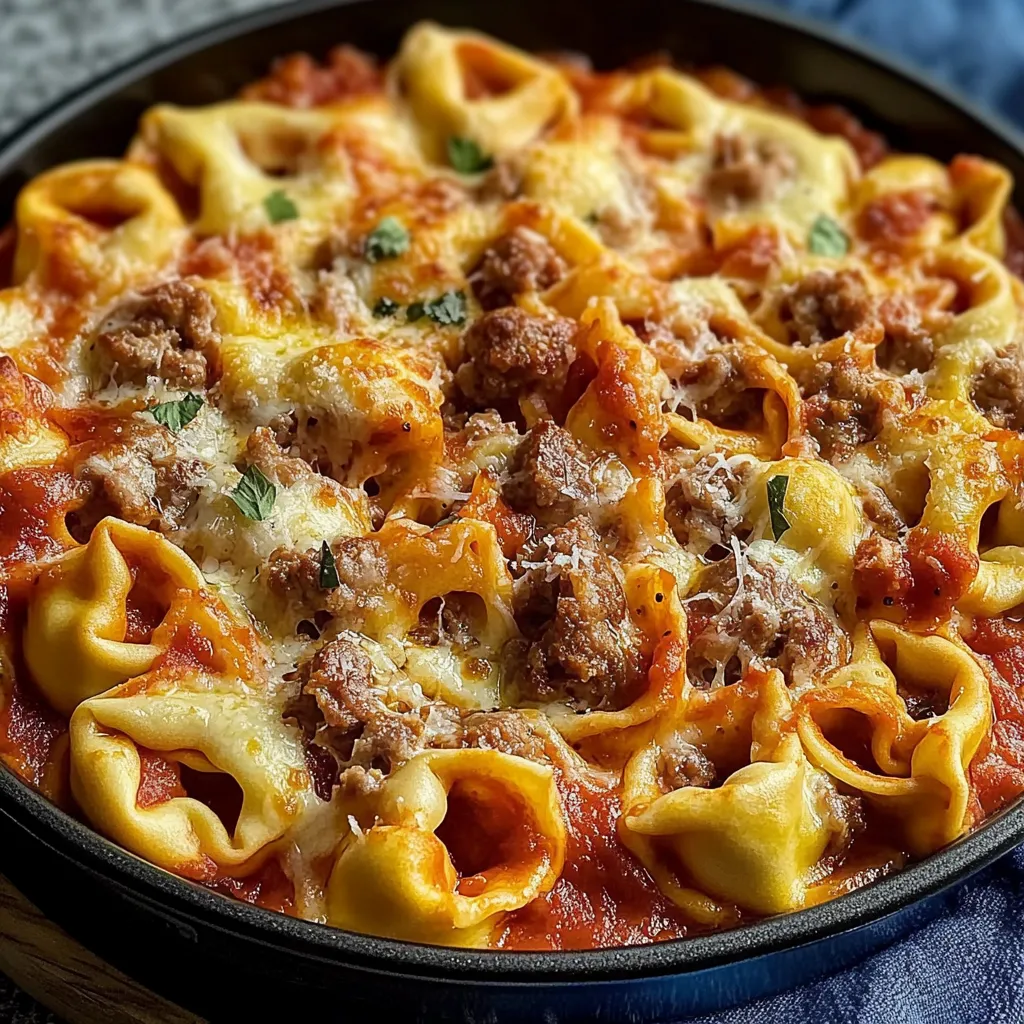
(66, 978)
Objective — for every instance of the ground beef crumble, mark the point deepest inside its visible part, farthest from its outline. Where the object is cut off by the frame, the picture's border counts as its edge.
(169, 334)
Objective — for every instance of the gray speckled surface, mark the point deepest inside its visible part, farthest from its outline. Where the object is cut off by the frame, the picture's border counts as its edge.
(48, 47)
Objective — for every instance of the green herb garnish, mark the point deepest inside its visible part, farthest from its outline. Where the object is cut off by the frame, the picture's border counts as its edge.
(827, 238)
(254, 495)
(175, 415)
(777, 486)
(328, 568)
(387, 240)
(466, 156)
(449, 308)
(414, 312)
(386, 307)
(279, 207)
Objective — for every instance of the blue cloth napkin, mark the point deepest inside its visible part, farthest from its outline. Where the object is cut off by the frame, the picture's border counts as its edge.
(967, 966)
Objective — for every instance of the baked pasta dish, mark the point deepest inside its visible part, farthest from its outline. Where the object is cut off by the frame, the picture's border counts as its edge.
(480, 500)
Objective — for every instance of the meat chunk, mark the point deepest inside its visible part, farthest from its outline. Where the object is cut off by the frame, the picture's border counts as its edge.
(349, 716)
(504, 180)
(717, 388)
(140, 477)
(998, 390)
(682, 764)
(168, 333)
(704, 508)
(745, 170)
(510, 732)
(521, 261)
(880, 570)
(757, 615)
(451, 620)
(299, 81)
(847, 404)
(921, 703)
(554, 477)
(294, 577)
(825, 305)
(356, 734)
(580, 641)
(510, 353)
(882, 512)
(908, 344)
(263, 451)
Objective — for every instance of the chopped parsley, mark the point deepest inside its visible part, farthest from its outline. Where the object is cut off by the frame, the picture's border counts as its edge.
(387, 240)
(466, 156)
(449, 308)
(175, 415)
(385, 307)
(279, 207)
(777, 487)
(254, 495)
(827, 238)
(328, 568)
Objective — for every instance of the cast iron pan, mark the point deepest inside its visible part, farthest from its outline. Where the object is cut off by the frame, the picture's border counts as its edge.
(228, 960)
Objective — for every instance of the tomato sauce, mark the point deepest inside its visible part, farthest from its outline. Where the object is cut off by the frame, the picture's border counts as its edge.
(201, 634)
(941, 569)
(484, 828)
(159, 779)
(926, 577)
(29, 727)
(268, 887)
(33, 504)
(895, 218)
(754, 256)
(997, 771)
(604, 896)
(486, 504)
(299, 81)
(101, 428)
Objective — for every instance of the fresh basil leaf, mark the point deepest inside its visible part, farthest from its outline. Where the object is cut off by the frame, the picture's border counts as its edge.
(449, 308)
(385, 307)
(328, 568)
(386, 241)
(466, 156)
(777, 486)
(414, 312)
(254, 495)
(175, 415)
(279, 207)
(827, 238)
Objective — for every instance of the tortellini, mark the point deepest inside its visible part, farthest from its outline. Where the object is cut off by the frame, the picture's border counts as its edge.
(76, 640)
(754, 841)
(208, 731)
(504, 847)
(921, 772)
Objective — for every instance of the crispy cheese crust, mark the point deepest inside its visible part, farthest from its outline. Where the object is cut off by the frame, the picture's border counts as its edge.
(482, 501)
